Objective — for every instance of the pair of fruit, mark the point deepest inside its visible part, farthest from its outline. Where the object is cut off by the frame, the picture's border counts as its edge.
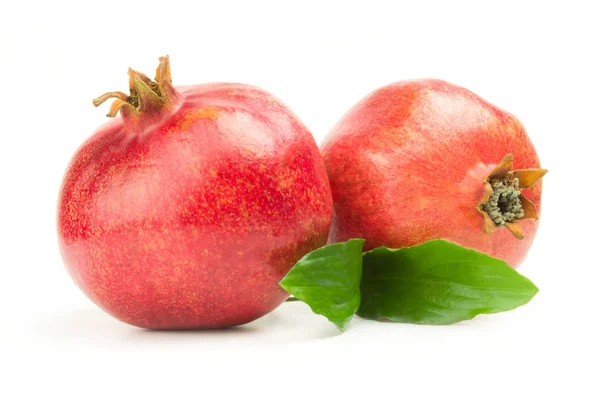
(188, 210)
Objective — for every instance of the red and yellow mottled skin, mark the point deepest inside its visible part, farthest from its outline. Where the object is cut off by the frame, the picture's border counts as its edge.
(408, 163)
(191, 217)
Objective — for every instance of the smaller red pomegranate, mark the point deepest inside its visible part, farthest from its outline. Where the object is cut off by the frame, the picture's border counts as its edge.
(425, 159)
(188, 209)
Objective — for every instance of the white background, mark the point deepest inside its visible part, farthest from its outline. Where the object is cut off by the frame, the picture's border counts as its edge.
(536, 59)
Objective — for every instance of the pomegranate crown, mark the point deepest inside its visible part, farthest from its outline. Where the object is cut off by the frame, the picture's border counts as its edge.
(145, 95)
(503, 204)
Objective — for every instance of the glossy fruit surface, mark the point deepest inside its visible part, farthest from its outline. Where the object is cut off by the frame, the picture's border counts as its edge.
(416, 160)
(188, 209)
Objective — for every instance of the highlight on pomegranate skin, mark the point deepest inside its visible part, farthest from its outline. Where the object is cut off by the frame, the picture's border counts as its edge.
(187, 209)
(426, 159)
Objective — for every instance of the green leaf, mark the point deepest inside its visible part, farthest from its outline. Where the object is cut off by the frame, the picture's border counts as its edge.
(328, 280)
(438, 283)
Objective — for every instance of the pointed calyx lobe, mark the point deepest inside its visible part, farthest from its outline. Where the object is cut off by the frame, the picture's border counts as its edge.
(146, 97)
(502, 204)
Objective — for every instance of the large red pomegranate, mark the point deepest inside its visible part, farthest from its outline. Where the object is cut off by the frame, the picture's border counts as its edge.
(188, 209)
(425, 159)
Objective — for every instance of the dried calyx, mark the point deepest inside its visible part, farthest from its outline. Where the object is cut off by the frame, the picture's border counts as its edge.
(503, 204)
(145, 96)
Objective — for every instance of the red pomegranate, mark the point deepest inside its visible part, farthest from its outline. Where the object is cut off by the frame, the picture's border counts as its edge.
(188, 209)
(421, 160)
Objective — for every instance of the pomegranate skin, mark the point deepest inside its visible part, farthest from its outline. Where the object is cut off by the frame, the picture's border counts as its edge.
(191, 220)
(408, 164)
